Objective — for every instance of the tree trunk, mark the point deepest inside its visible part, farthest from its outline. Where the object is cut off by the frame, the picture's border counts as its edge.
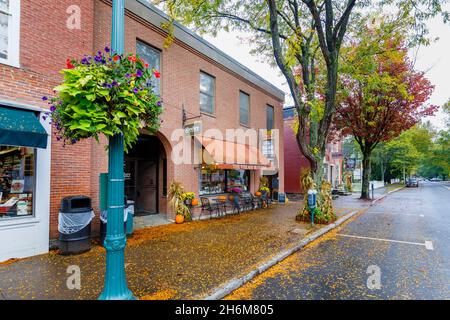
(365, 189)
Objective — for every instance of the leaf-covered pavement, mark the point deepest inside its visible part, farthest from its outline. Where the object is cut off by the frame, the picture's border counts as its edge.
(172, 261)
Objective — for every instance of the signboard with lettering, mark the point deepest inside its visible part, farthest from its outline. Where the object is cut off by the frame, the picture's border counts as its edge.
(193, 129)
(350, 163)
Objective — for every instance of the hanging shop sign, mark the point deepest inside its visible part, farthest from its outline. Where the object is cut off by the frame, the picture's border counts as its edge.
(193, 129)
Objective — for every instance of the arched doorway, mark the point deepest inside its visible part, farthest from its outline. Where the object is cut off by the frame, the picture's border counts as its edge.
(146, 175)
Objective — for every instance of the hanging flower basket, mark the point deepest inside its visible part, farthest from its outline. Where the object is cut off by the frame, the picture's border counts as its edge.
(105, 94)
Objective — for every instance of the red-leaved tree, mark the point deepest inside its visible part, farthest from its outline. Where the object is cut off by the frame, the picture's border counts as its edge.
(381, 95)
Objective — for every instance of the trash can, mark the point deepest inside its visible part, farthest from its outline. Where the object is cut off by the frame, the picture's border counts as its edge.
(104, 222)
(74, 225)
(130, 217)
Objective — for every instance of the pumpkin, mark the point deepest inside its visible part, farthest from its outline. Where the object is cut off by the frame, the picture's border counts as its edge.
(194, 202)
(258, 194)
(179, 219)
(231, 197)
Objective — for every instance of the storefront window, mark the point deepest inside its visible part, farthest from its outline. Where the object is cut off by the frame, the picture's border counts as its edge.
(17, 181)
(212, 182)
(238, 179)
(221, 181)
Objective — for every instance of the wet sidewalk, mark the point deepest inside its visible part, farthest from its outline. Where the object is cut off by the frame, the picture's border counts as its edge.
(171, 261)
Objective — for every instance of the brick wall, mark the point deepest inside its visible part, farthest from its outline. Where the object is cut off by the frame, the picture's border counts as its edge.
(181, 67)
(294, 160)
(45, 45)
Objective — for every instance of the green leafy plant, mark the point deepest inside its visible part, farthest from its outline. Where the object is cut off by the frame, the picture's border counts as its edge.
(105, 94)
(264, 189)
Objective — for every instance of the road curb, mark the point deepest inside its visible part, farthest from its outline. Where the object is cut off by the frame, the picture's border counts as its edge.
(234, 284)
(385, 195)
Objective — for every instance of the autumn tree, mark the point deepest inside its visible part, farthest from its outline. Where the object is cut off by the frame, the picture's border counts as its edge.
(382, 94)
(298, 36)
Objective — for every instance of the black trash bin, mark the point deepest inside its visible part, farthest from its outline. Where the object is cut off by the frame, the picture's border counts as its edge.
(75, 225)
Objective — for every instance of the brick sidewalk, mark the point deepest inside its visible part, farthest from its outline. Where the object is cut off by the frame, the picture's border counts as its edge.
(170, 261)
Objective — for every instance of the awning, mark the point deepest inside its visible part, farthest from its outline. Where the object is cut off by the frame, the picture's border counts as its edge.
(21, 128)
(231, 155)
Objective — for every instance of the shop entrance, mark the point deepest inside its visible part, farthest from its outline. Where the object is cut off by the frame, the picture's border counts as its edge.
(142, 174)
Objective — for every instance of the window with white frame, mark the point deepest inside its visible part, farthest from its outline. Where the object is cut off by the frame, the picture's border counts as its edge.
(151, 56)
(9, 32)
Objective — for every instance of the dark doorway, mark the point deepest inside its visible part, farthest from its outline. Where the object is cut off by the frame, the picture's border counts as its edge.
(142, 167)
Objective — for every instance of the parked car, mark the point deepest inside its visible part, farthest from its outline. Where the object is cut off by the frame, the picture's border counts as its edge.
(412, 182)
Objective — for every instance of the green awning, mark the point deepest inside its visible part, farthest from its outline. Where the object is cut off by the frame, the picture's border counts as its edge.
(21, 128)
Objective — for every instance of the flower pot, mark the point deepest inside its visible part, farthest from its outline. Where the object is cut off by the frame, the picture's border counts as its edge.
(179, 219)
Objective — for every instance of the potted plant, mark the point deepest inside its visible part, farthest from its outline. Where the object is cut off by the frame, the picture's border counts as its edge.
(188, 198)
(176, 194)
(105, 94)
(264, 191)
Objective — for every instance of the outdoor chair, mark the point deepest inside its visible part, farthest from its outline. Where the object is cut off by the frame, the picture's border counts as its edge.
(237, 204)
(247, 201)
(256, 202)
(209, 207)
(222, 206)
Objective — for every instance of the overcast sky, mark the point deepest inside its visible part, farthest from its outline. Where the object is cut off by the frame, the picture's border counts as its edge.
(434, 60)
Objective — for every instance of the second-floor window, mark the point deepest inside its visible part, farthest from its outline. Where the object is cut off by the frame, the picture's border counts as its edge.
(207, 93)
(244, 108)
(153, 57)
(270, 117)
(9, 32)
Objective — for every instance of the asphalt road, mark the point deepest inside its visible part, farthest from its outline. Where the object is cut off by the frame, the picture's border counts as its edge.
(398, 249)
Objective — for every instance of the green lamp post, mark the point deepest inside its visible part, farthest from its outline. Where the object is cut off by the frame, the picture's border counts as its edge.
(115, 287)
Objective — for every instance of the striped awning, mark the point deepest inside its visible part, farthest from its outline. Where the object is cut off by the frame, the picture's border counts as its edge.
(232, 155)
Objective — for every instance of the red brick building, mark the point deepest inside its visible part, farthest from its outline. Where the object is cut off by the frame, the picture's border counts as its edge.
(211, 87)
(295, 161)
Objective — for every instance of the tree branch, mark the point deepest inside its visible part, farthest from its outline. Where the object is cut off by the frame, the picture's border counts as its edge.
(319, 28)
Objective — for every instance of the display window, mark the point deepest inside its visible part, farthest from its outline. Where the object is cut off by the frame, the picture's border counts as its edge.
(223, 181)
(212, 182)
(238, 179)
(17, 181)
